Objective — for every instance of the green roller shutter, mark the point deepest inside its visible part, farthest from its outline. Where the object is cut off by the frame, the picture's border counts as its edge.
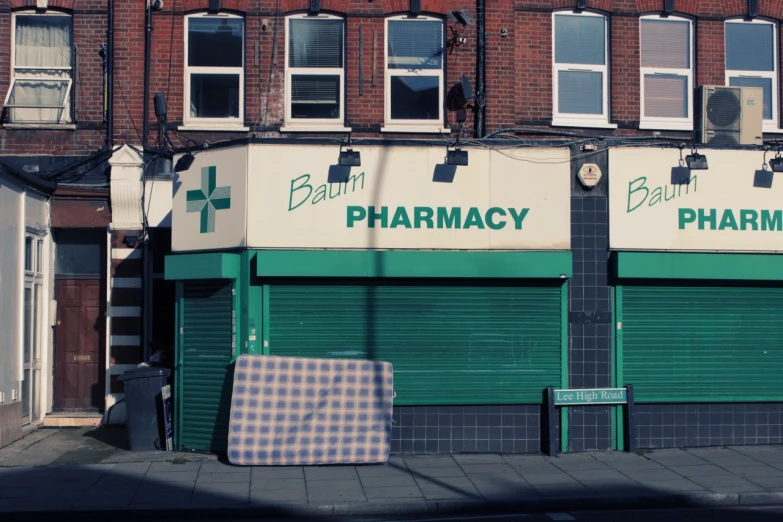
(460, 344)
(703, 343)
(206, 367)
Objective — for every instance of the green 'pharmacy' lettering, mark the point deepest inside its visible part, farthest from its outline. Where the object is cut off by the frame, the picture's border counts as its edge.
(711, 219)
(496, 218)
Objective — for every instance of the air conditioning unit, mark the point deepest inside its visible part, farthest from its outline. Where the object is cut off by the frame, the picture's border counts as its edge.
(730, 115)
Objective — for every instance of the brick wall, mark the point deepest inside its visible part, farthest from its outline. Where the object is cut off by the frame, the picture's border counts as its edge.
(519, 62)
(89, 32)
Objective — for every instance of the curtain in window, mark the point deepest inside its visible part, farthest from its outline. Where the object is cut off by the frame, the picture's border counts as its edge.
(42, 56)
(415, 44)
(749, 47)
(580, 39)
(43, 41)
(315, 43)
(666, 44)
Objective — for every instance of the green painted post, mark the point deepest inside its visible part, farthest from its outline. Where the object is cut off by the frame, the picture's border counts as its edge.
(179, 349)
(265, 319)
(620, 380)
(614, 372)
(564, 363)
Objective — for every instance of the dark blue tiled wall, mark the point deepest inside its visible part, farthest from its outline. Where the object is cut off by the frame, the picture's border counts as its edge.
(590, 316)
(466, 429)
(688, 425)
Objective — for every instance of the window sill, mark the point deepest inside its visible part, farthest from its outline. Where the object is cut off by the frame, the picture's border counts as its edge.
(296, 127)
(213, 127)
(566, 122)
(44, 126)
(771, 130)
(416, 129)
(653, 125)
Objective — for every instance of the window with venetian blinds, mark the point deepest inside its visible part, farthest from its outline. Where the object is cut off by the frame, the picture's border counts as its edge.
(315, 68)
(666, 69)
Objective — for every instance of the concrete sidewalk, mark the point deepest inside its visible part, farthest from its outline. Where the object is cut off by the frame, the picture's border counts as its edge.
(183, 484)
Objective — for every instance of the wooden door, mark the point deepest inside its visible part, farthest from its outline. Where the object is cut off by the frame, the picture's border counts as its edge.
(79, 336)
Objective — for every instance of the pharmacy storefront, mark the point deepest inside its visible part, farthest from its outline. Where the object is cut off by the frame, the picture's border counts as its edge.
(699, 299)
(456, 275)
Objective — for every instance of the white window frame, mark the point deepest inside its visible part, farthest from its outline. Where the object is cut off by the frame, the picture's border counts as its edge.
(767, 125)
(33, 281)
(430, 126)
(566, 119)
(662, 123)
(314, 124)
(65, 114)
(195, 123)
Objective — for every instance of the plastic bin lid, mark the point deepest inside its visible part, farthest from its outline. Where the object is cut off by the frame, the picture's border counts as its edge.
(144, 372)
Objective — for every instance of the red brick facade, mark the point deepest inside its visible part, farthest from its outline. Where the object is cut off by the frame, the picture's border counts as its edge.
(518, 65)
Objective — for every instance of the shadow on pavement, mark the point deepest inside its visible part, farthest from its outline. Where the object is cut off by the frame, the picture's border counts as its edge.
(114, 436)
(193, 490)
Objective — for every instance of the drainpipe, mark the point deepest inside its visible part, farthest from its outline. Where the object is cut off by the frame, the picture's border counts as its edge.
(110, 78)
(481, 52)
(147, 60)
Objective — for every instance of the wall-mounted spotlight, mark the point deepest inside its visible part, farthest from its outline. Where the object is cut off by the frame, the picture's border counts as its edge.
(350, 157)
(184, 162)
(776, 163)
(681, 174)
(457, 157)
(696, 161)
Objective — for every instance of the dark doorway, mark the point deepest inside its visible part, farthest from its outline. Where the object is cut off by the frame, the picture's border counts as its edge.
(80, 332)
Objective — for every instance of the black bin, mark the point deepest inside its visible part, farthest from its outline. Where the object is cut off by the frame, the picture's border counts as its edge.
(143, 404)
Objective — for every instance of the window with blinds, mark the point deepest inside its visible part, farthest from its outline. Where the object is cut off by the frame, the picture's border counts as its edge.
(666, 73)
(751, 61)
(580, 69)
(315, 58)
(414, 70)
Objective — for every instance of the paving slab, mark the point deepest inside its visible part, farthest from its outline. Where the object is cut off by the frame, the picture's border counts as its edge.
(154, 494)
(338, 494)
(578, 463)
(723, 482)
(755, 471)
(6, 493)
(130, 468)
(331, 473)
(496, 478)
(767, 482)
(597, 474)
(489, 468)
(479, 458)
(428, 461)
(672, 485)
(707, 470)
(170, 476)
(550, 479)
(564, 490)
(394, 492)
(392, 482)
(221, 467)
(675, 457)
(496, 491)
(214, 478)
(273, 473)
(217, 493)
(444, 472)
(652, 474)
(171, 466)
(280, 484)
(261, 496)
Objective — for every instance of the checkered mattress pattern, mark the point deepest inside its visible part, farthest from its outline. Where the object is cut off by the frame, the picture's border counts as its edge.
(290, 411)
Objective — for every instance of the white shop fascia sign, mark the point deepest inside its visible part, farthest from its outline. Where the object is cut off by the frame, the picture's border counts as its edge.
(295, 197)
(719, 210)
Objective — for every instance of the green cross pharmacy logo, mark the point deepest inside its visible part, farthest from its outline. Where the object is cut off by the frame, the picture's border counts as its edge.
(208, 199)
